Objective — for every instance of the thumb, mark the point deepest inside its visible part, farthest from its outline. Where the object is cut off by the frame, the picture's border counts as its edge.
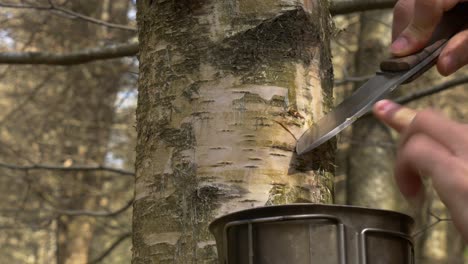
(394, 115)
(426, 16)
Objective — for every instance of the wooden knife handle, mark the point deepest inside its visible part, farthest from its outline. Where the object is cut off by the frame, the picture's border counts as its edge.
(452, 22)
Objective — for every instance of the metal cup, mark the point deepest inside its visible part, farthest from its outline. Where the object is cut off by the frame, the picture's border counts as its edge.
(313, 233)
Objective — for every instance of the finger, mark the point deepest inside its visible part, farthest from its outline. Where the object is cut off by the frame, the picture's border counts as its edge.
(394, 115)
(423, 156)
(419, 156)
(455, 54)
(445, 131)
(402, 14)
(453, 181)
(457, 201)
(405, 120)
(427, 14)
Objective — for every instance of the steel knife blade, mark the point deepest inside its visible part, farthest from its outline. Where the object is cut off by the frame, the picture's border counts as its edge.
(359, 103)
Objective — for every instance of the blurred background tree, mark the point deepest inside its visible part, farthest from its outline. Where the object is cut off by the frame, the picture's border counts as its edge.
(67, 129)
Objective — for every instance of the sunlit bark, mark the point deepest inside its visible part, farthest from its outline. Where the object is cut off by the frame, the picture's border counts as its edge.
(219, 83)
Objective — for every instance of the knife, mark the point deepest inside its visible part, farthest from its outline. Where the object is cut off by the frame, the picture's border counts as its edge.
(393, 72)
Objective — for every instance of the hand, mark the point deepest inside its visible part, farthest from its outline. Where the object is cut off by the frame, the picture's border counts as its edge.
(435, 147)
(413, 24)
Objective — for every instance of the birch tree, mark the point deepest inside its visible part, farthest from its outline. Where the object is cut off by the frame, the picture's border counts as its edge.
(225, 89)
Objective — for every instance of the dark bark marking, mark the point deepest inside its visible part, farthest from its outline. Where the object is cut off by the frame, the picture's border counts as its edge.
(285, 147)
(221, 164)
(217, 148)
(285, 36)
(248, 201)
(284, 194)
(183, 138)
(192, 91)
(226, 130)
(236, 181)
(318, 159)
(278, 155)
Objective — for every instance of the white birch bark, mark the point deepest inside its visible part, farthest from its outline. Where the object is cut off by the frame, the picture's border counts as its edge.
(219, 83)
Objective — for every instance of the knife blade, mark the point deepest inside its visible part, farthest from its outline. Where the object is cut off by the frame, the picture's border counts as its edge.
(394, 72)
(359, 103)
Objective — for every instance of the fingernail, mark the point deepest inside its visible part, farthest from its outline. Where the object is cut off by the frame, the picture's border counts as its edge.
(399, 45)
(384, 107)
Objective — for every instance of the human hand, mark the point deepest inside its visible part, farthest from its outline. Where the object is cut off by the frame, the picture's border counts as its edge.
(431, 146)
(413, 24)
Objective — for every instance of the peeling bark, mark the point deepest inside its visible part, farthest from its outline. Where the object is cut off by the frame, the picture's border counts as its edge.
(216, 78)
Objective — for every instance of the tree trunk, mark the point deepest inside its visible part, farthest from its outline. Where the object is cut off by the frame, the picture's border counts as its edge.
(74, 238)
(371, 157)
(219, 83)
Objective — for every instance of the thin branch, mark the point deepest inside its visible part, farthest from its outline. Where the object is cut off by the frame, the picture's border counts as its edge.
(430, 91)
(20, 6)
(12, 150)
(79, 57)
(431, 225)
(94, 214)
(433, 90)
(24, 200)
(337, 7)
(28, 99)
(43, 223)
(93, 20)
(60, 168)
(73, 14)
(106, 252)
(342, 7)
(353, 79)
(131, 49)
(374, 143)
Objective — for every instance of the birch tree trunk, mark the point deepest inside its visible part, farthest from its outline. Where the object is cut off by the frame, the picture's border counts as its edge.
(219, 83)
